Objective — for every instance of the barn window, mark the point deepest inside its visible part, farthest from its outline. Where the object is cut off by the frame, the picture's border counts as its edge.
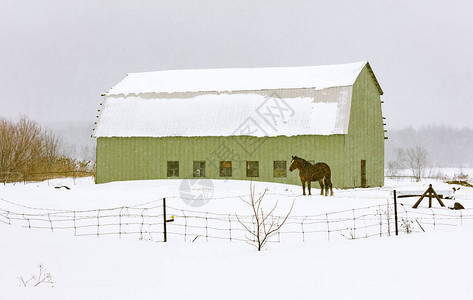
(173, 169)
(279, 169)
(252, 169)
(225, 169)
(199, 168)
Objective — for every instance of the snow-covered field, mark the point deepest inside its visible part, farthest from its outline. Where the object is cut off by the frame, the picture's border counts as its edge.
(307, 263)
(446, 173)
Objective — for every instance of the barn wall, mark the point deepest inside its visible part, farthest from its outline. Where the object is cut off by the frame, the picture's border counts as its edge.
(146, 158)
(366, 132)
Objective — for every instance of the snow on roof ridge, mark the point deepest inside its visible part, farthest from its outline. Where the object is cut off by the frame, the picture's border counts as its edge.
(238, 79)
(249, 68)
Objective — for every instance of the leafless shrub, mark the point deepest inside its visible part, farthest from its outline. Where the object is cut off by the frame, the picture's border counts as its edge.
(19, 144)
(37, 279)
(27, 150)
(407, 225)
(51, 147)
(461, 176)
(265, 224)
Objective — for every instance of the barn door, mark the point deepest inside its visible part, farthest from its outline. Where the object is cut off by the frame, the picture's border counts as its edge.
(363, 173)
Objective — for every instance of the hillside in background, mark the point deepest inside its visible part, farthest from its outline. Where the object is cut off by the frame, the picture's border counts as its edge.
(446, 147)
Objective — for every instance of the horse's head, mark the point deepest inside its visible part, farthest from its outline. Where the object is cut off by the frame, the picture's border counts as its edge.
(295, 162)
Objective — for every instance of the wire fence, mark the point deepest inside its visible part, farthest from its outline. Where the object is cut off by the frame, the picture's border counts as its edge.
(141, 222)
(146, 222)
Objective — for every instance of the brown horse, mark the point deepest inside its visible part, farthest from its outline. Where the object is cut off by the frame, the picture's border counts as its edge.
(308, 172)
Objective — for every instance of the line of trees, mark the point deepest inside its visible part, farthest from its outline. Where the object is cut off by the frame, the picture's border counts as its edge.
(25, 148)
(447, 147)
(416, 160)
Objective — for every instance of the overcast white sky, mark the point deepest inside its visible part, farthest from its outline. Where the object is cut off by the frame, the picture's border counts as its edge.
(57, 57)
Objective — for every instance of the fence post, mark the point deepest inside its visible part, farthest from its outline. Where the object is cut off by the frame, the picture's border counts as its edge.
(98, 222)
(302, 225)
(142, 223)
(75, 227)
(185, 226)
(395, 212)
(206, 227)
(164, 220)
(230, 227)
(50, 222)
(354, 225)
(120, 223)
(388, 216)
(328, 227)
(433, 217)
(380, 221)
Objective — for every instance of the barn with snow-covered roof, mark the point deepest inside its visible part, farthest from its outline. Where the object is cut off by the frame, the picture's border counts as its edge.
(243, 124)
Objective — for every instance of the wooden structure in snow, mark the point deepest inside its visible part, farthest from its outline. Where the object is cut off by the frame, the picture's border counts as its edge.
(243, 124)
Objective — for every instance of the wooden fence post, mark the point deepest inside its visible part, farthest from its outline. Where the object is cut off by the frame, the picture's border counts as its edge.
(164, 220)
(395, 212)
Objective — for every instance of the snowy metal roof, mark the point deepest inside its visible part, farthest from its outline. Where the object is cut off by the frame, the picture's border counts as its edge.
(324, 112)
(231, 102)
(249, 79)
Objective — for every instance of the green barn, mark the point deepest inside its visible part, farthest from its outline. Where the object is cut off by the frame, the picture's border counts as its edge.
(243, 124)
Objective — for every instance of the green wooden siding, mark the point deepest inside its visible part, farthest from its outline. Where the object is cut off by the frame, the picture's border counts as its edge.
(146, 158)
(138, 158)
(366, 131)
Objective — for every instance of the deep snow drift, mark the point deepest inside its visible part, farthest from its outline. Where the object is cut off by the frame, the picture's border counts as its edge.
(433, 265)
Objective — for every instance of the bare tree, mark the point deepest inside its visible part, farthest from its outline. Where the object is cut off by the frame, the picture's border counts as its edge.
(417, 161)
(51, 147)
(264, 225)
(6, 145)
(19, 144)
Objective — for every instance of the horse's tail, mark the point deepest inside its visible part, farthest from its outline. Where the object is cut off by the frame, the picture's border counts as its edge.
(328, 174)
(326, 185)
(328, 182)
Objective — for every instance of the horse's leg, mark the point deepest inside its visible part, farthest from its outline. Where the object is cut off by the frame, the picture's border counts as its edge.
(303, 187)
(309, 185)
(330, 185)
(321, 187)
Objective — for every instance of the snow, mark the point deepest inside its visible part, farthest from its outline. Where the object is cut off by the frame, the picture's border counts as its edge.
(450, 173)
(225, 115)
(231, 102)
(239, 79)
(430, 265)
